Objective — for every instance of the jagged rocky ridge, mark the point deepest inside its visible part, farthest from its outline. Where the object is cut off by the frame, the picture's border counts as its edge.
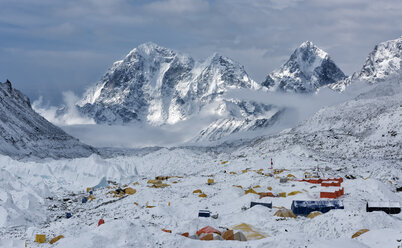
(307, 69)
(159, 86)
(383, 62)
(25, 133)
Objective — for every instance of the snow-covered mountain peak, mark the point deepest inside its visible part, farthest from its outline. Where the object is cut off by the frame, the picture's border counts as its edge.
(158, 85)
(307, 69)
(307, 52)
(150, 49)
(383, 61)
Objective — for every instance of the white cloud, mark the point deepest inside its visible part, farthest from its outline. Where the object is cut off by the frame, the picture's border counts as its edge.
(68, 115)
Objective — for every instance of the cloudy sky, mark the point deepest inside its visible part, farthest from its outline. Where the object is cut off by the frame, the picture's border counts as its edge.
(51, 46)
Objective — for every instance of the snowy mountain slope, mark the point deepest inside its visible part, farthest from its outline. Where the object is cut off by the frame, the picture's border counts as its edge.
(384, 62)
(307, 69)
(160, 86)
(362, 129)
(356, 139)
(263, 116)
(342, 140)
(25, 133)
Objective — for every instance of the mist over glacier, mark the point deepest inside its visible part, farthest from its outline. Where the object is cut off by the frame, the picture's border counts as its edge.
(300, 107)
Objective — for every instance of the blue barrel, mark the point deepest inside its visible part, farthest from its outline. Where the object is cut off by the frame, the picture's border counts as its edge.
(84, 199)
(68, 215)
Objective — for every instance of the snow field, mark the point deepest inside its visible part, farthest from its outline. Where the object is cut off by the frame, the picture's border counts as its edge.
(26, 209)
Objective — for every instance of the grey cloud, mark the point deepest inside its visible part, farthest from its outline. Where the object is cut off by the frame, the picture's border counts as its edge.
(259, 34)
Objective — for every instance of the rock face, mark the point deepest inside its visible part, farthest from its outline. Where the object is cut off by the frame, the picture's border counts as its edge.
(384, 62)
(159, 86)
(25, 133)
(307, 69)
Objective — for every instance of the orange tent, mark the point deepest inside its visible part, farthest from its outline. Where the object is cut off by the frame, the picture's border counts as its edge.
(268, 194)
(208, 229)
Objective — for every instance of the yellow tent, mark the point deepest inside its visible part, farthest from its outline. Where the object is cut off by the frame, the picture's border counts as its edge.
(284, 212)
(154, 181)
(130, 191)
(250, 191)
(224, 162)
(197, 191)
(314, 214)
(55, 239)
(291, 176)
(40, 238)
(282, 194)
(211, 181)
(294, 193)
(360, 232)
(162, 185)
(269, 188)
(249, 232)
(233, 173)
(202, 195)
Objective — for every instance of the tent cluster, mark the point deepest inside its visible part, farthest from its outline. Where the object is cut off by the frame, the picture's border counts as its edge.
(242, 232)
(200, 193)
(333, 188)
(41, 238)
(321, 180)
(155, 183)
(90, 196)
(158, 181)
(122, 192)
(281, 194)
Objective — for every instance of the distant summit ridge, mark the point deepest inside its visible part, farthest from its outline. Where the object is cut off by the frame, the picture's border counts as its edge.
(383, 62)
(307, 69)
(160, 86)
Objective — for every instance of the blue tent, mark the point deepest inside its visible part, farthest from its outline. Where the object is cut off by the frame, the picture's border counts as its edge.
(268, 205)
(204, 213)
(306, 207)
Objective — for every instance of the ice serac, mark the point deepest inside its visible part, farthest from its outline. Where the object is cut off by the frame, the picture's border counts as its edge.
(307, 69)
(160, 86)
(24, 133)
